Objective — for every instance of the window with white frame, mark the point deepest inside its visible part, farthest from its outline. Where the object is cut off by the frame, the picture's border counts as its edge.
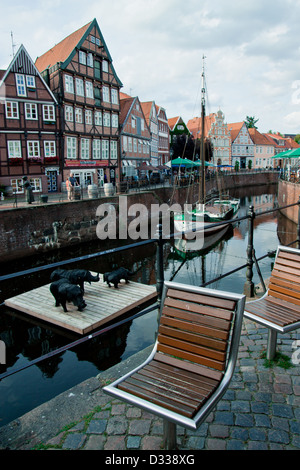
(78, 115)
(105, 94)
(69, 114)
(96, 149)
(49, 148)
(133, 122)
(71, 147)
(106, 119)
(105, 149)
(98, 118)
(33, 149)
(88, 116)
(90, 60)
(69, 84)
(79, 87)
(20, 84)
(114, 96)
(114, 120)
(14, 149)
(30, 81)
(35, 183)
(48, 112)
(113, 149)
(12, 109)
(134, 145)
(16, 184)
(130, 144)
(82, 57)
(85, 149)
(31, 111)
(104, 65)
(124, 138)
(89, 90)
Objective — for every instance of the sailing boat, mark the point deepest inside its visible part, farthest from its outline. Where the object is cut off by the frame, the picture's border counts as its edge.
(205, 214)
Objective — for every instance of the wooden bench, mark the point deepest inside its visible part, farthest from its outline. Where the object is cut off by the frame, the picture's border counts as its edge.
(279, 308)
(193, 359)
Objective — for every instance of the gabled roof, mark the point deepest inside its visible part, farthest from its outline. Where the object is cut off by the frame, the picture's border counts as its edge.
(146, 107)
(22, 63)
(258, 138)
(126, 105)
(64, 51)
(195, 125)
(235, 128)
(173, 121)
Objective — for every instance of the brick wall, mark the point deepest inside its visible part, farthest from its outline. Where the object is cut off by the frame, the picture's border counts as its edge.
(38, 229)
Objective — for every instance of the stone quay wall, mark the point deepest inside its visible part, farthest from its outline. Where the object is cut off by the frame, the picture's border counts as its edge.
(39, 229)
(289, 193)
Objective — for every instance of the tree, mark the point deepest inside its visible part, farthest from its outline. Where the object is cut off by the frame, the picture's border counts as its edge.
(297, 139)
(250, 122)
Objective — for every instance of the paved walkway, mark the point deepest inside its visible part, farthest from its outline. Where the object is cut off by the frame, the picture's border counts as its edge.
(260, 411)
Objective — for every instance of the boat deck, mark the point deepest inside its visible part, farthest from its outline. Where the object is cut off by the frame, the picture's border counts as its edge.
(103, 304)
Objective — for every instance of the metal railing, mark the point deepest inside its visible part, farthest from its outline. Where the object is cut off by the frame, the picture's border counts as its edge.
(159, 240)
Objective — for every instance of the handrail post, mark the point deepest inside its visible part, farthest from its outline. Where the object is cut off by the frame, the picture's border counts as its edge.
(298, 226)
(160, 260)
(249, 286)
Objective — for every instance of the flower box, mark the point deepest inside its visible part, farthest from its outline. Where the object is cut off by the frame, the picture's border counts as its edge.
(15, 161)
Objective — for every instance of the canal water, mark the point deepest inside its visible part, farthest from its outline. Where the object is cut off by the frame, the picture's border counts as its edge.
(27, 339)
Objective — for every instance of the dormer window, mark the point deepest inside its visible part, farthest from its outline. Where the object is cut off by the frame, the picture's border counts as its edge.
(30, 81)
(82, 57)
(20, 83)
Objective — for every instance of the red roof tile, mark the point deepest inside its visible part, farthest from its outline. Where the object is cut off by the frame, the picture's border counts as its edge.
(61, 51)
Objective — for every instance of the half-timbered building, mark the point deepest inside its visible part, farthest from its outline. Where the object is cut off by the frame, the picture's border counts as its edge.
(134, 135)
(28, 128)
(81, 75)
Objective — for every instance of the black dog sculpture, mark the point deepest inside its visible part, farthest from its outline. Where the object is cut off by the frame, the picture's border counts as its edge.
(74, 276)
(114, 277)
(63, 291)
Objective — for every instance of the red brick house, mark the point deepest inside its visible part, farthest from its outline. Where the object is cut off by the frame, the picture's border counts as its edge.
(163, 136)
(135, 137)
(81, 75)
(28, 127)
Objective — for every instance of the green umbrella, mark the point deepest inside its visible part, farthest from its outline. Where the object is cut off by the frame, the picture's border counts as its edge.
(288, 154)
(182, 162)
(199, 163)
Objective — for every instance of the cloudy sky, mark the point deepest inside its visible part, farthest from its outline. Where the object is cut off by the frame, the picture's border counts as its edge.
(252, 51)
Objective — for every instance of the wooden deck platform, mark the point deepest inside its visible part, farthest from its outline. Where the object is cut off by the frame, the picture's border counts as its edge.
(103, 304)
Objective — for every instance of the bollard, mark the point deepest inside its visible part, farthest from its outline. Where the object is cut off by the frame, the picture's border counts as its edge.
(249, 285)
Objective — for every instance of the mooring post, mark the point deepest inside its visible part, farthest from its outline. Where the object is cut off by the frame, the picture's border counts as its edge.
(159, 260)
(249, 286)
(298, 226)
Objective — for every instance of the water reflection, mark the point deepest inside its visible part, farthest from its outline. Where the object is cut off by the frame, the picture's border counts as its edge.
(27, 338)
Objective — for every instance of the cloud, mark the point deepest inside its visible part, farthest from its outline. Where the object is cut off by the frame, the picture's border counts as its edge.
(251, 48)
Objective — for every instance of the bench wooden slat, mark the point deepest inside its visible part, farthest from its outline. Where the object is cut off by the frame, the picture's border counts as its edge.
(205, 330)
(198, 308)
(274, 312)
(186, 346)
(183, 376)
(194, 390)
(200, 298)
(286, 291)
(201, 340)
(286, 283)
(158, 388)
(189, 356)
(161, 400)
(201, 317)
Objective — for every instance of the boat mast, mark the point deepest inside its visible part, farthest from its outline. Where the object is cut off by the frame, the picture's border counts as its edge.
(202, 148)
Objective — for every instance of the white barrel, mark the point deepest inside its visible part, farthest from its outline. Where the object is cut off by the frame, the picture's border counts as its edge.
(92, 191)
(109, 189)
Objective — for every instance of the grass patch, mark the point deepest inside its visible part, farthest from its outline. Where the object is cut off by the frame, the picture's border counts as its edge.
(280, 360)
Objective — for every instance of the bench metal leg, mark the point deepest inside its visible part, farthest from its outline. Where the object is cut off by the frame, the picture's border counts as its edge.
(272, 340)
(169, 435)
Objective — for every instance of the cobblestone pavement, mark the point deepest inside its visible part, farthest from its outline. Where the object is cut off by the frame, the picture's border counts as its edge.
(260, 411)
